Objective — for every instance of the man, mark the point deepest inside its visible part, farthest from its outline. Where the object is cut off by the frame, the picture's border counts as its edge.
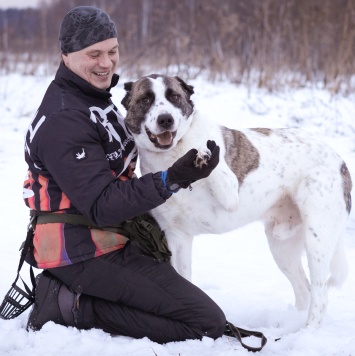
(81, 161)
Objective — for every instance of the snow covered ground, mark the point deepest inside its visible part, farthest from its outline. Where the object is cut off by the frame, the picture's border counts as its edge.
(235, 269)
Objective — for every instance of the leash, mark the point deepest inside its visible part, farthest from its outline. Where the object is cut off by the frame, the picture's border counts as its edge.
(240, 333)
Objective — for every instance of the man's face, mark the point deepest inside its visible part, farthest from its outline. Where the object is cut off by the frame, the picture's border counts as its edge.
(96, 64)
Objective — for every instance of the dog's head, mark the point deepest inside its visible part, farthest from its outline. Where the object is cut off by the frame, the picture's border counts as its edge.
(159, 110)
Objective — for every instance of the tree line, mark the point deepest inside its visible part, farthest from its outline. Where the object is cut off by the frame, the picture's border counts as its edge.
(270, 43)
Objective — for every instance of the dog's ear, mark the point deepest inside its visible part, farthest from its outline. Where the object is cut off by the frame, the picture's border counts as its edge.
(125, 101)
(189, 89)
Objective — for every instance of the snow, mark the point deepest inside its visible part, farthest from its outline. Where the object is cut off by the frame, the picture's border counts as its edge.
(236, 269)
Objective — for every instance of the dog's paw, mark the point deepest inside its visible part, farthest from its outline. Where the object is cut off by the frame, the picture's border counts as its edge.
(202, 157)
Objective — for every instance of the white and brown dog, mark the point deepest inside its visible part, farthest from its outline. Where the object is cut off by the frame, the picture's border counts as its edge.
(298, 186)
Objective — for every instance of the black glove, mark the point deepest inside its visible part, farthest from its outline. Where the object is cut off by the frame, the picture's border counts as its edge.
(185, 171)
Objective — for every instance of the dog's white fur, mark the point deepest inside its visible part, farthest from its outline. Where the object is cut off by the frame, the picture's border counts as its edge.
(299, 189)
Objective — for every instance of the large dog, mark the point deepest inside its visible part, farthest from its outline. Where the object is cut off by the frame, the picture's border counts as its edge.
(298, 186)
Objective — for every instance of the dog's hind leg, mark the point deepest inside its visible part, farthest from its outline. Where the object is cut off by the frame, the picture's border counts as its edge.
(285, 232)
(324, 215)
(287, 254)
(338, 265)
(327, 263)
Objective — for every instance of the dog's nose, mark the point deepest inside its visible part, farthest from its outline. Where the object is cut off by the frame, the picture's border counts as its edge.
(165, 121)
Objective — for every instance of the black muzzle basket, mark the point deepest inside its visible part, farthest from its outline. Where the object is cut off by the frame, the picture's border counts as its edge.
(17, 300)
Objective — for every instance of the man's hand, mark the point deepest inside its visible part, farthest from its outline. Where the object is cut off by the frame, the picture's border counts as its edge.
(185, 171)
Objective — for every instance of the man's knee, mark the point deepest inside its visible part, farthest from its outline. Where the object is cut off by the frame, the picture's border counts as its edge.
(218, 320)
(215, 323)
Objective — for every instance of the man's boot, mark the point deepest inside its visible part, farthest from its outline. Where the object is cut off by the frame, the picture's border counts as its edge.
(53, 302)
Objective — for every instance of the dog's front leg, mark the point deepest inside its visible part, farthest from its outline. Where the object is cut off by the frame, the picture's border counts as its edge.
(223, 183)
(180, 245)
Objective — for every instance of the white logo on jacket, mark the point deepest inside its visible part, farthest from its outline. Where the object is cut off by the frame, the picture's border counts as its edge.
(101, 116)
(80, 155)
(32, 132)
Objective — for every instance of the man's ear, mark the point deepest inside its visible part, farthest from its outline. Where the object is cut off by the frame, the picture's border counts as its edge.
(126, 100)
(63, 57)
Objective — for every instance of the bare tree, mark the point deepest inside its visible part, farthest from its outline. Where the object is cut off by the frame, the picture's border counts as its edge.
(271, 43)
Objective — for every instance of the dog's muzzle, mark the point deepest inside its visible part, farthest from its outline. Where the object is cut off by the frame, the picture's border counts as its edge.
(165, 121)
(164, 140)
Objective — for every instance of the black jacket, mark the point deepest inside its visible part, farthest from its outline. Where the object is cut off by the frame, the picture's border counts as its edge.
(81, 159)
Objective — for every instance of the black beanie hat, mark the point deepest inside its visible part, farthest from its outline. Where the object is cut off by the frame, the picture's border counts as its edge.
(84, 26)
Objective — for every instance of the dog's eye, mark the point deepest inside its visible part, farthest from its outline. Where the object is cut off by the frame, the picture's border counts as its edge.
(145, 101)
(174, 97)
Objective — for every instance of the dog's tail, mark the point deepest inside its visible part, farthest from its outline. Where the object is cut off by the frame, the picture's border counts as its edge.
(338, 265)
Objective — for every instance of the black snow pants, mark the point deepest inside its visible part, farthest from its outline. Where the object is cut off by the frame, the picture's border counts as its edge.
(136, 295)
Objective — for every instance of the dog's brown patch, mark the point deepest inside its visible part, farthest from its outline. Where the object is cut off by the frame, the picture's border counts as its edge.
(132, 102)
(347, 186)
(263, 131)
(241, 156)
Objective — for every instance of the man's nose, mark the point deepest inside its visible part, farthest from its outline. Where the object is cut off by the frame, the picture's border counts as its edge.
(105, 60)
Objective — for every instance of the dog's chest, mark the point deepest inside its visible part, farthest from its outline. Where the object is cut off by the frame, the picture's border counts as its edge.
(196, 211)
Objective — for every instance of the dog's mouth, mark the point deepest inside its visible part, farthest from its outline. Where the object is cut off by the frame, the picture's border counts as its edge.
(164, 140)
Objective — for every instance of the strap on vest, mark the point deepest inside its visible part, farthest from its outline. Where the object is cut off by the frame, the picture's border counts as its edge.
(143, 230)
(73, 219)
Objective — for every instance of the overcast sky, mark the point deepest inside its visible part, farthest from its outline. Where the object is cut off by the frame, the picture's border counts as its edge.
(5, 4)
